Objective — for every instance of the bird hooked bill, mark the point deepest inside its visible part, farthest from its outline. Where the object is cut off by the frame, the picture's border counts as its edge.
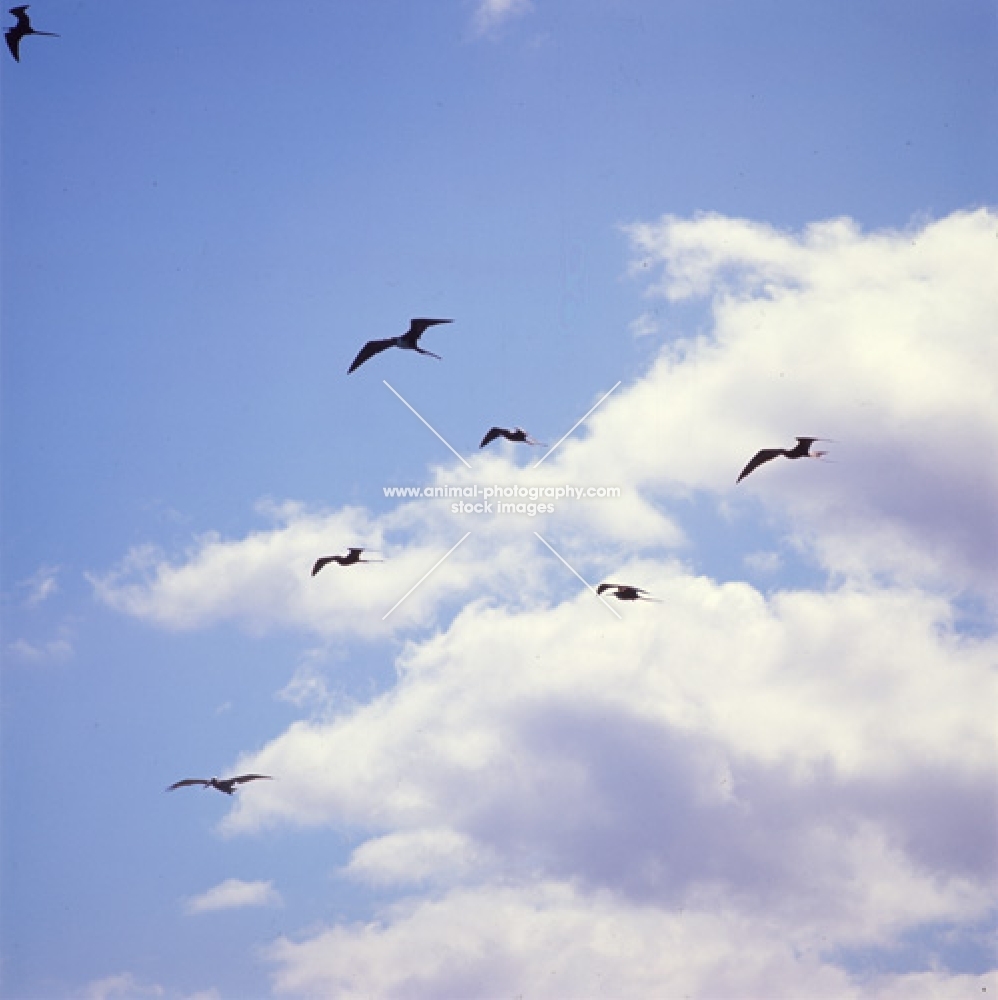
(408, 341)
(22, 28)
(516, 435)
(226, 785)
(800, 450)
(625, 592)
(352, 557)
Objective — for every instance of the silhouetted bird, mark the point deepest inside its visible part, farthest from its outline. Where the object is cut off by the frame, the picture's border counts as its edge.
(226, 785)
(352, 556)
(22, 28)
(801, 450)
(409, 341)
(518, 434)
(625, 592)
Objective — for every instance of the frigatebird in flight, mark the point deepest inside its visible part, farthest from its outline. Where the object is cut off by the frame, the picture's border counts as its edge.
(801, 450)
(625, 592)
(352, 556)
(517, 434)
(22, 28)
(227, 785)
(409, 341)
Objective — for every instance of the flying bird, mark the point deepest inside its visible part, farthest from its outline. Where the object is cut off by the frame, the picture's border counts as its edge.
(625, 592)
(227, 785)
(801, 450)
(409, 341)
(517, 434)
(22, 28)
(352, 556)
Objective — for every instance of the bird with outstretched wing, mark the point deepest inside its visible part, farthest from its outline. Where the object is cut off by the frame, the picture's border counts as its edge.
(408, 341)
(226, 785)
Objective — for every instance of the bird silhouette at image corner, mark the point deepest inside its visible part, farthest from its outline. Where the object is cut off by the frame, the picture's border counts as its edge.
(226, 785)
(625, 592)
(516, 435)
(351, 558)
(22, 28)
(408, 341)
(801, 450)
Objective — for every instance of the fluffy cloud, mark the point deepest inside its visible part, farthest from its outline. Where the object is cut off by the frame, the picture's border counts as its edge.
(820, 767)
(724, 794)
(233, 893)
(551, 940)
(882, 341)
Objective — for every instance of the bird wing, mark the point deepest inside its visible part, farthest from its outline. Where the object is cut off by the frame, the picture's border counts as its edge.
(368, 351)
(417, 327)
(319, 563)
(606, 586)
(352, 551)
(13, 36)
(187, 781)
(249, 777)
(494, 433)
(760, 458)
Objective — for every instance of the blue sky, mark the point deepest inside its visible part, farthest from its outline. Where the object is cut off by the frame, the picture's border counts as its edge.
(762, 220)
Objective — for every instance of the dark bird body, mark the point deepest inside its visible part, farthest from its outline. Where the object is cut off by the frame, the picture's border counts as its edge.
(409, 341)
(516, 435)
(352, 556)
(624, 592)
(22, 28)
(801, 450)
(227, 785)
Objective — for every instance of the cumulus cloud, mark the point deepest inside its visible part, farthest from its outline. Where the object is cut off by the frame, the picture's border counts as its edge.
(232, 894)
(820, 766)
(552, 940)
(415, 856)
(724, 794)
(882, 341)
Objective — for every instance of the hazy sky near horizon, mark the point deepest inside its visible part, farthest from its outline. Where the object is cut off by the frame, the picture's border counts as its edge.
(717, 226)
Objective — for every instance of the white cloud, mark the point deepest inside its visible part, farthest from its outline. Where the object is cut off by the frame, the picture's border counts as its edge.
(41, 585)
(490, 15)
(818, 766)
(49, 650)
(882, 341)
(232, 894)
(415, 856)
(551, 940)
(724, 792)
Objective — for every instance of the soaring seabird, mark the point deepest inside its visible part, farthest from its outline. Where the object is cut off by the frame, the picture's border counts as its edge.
(625, 592)
(801, 450)
(352, 556)
(517, 434)
(226, 785)
(22, 28)
(409, 341)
